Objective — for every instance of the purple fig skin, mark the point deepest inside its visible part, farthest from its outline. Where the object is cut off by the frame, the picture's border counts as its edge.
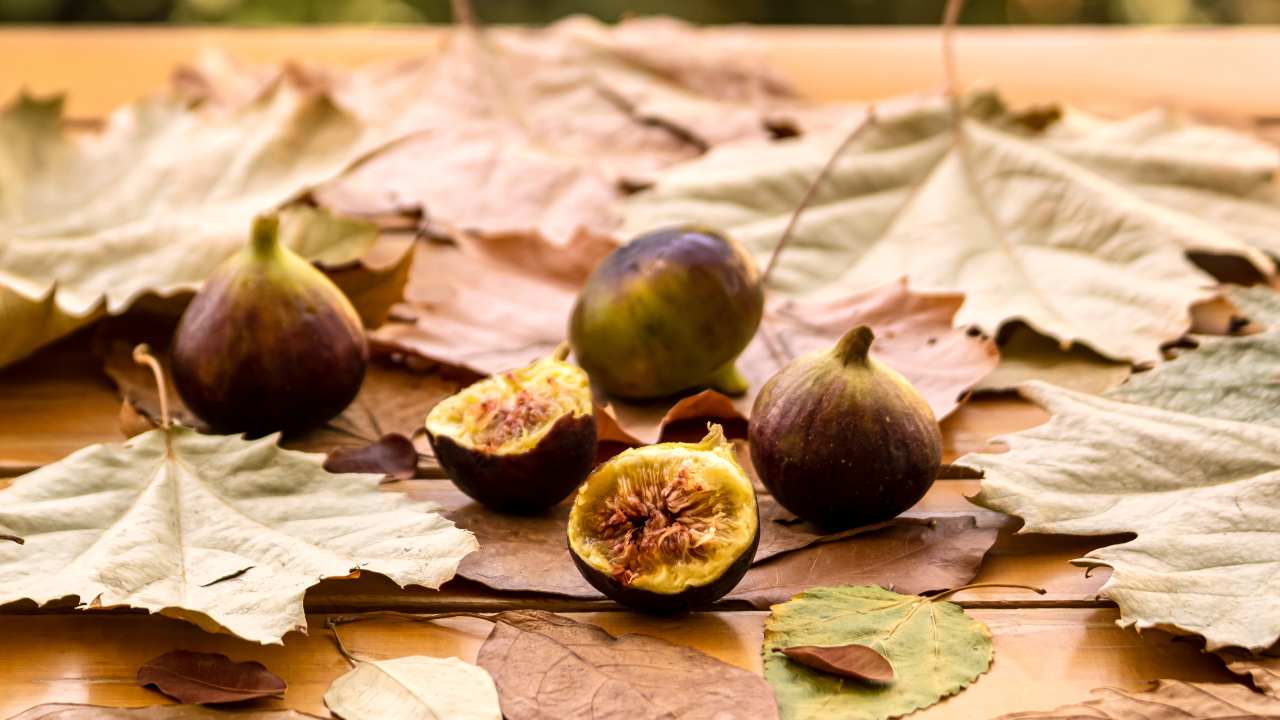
(269, 343)
(842, 440)
(669, 311)
(526, 482)
(691, 598)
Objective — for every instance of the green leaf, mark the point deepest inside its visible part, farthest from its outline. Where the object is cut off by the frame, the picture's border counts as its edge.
(1187, 457)
(935, 649)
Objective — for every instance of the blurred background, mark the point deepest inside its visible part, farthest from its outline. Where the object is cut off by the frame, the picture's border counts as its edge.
(816, 12)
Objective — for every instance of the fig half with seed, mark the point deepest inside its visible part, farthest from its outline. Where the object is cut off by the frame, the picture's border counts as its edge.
(668, 311)
(666, 528)
(842, 440)
(269, 343)
(520, 440)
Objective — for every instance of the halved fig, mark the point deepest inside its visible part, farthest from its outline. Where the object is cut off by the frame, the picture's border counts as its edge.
(520, 440)
(668, 527)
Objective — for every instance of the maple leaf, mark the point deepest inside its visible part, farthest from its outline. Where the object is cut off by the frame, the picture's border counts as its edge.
(225, 532)
(91, 223)
(1187, 457)
(1079, 228)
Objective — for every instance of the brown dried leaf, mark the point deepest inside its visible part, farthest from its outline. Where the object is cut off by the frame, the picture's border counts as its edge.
(1167, 700)
(909, 555)
(857, 662)
(392, 455)
(1262, 671)
(547, 666)
(209, 678)
(70, 711)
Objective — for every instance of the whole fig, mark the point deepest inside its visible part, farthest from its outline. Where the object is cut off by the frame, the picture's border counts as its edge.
(842, 440)
(669, 311)
(269, 343)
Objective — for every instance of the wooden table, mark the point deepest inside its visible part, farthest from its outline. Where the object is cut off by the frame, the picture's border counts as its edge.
(1050, 650)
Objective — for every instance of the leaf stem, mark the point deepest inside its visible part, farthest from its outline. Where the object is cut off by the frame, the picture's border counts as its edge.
(809, 194)
(142, 355)
(953, 591)
(950, 18)
(334, 621)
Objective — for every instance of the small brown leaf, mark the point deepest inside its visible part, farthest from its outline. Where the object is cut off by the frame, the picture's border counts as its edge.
(209, 678)
(392, 455)
(857, 662)
(595, 674)
(70, 711)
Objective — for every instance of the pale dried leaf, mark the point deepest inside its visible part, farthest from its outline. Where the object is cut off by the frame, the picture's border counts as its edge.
(418, 687)
(152, 203)
(1187, 457)
(209, 678)
(225, 532)
(935, 650)
(549, 667)
(1168, 700)
(1080, 229)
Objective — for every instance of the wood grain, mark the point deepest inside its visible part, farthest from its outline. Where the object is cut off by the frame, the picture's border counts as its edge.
(1043, 657)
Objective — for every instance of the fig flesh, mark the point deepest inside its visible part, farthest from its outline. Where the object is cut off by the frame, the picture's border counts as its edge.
(668, 527)
(268, 343)
(842, 440)
(521, 440)
(669, 311)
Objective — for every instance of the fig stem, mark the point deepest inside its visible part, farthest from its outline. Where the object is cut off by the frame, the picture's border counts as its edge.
(953, 591)
(142, 355)
(561, 352)
(855, 345)
(265, 235)
(13, 539)
(809, 194)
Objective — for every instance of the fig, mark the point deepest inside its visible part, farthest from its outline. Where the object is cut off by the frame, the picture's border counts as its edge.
(520, 440)
(269, 343)
(668, 527)
(842, 440)
(669, 311)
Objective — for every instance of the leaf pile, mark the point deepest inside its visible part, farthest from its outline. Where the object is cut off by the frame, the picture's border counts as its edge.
(934, 648)
(547, 666)
(1187, 457)
(1078, 227)
(225, 532)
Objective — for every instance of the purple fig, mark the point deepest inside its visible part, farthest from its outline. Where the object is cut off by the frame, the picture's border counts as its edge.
(842, 440)
(668, 527)
(669, 311)
(269, 343)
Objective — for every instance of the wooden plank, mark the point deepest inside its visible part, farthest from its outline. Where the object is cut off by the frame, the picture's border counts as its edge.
(1109, 68)
(1044, 657)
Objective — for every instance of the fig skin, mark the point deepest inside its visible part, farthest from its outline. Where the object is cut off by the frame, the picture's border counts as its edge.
(526, 482)
(269, 343)
(691, 598)
(842, 440)
(669, 311)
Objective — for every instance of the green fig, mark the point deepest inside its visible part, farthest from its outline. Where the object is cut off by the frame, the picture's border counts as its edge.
(669, 311)
(521, 440)
(842, 440)
(269, 343)
(668, 527)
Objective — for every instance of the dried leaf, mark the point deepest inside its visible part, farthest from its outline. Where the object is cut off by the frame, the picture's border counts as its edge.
(547, 666)
(419, 687)
(1262, 671)
(392, 455)
(88, 227)
(1167, 700)
(224, 532)
(69, 711)
(1080, 228)
(209, 678)
(912, 555)
(856, 662)
(1026, 355)
(1187, 457)
(934, 648)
